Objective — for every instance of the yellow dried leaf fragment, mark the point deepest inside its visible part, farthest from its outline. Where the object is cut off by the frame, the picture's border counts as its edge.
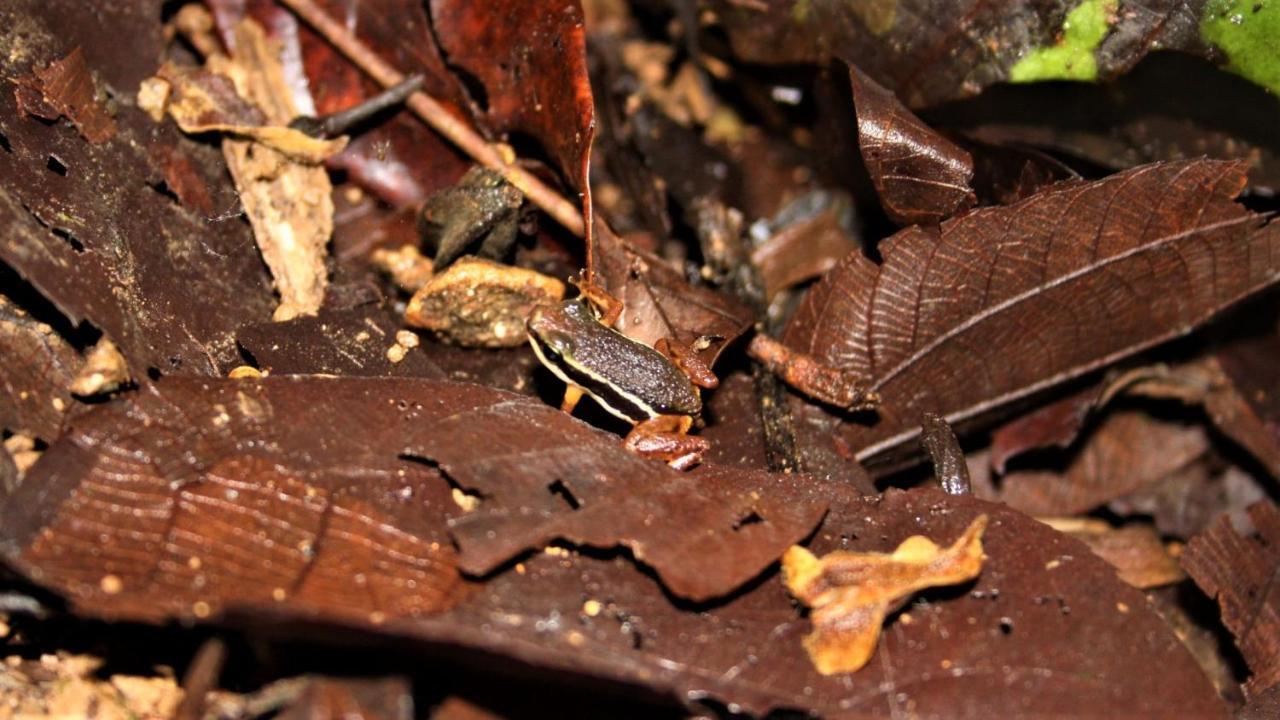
(851, 593)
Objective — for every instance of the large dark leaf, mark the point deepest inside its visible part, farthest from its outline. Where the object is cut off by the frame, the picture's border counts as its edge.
(223, 471)
(1004, 301)
(1046, 630)
(933, 50)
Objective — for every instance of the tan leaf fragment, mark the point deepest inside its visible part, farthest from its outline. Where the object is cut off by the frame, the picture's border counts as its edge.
(851, 593)
(283, 186)
(104, 370)
(1135, 551)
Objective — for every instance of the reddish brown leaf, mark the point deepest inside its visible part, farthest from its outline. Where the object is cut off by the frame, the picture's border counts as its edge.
(1004, 301)
(1241, 573)
(1056, 424)
(66, 87)
(921, 177)
(36, 376)
(704, 533)
(1246, 404)
(318, 465)
(1126, 452)
(659, 303)
(530, 57)
(1047, 630)
(804, 248)
(139, 259)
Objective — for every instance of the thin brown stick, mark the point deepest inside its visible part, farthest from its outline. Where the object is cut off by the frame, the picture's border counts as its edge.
(435, 115)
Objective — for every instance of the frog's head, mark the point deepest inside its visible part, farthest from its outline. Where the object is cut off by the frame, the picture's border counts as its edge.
(552, 328)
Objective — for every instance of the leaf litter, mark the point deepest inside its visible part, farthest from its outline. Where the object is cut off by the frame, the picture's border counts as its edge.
(353, 478)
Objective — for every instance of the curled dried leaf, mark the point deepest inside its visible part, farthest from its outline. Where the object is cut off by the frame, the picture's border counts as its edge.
(851, 593)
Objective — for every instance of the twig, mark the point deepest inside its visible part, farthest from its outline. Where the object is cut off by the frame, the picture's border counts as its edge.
(435, 115)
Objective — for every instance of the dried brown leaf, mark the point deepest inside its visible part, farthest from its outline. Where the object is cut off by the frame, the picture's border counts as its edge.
(1127, 451)
(659, 303)
(1004, 301)
(921, 177)
(39, 367)
(1241, 572)
(67, 88)
(851, 593)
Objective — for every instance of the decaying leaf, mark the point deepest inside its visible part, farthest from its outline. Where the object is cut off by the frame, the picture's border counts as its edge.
(66, 88)
(1240, 572)
(480, 303)
(1006, 300)
(39, 367)
(1135, 550)
(921, 177)
(209, 456)
(852, 593)
(285, 192)
(659, 303)
(1127, 451)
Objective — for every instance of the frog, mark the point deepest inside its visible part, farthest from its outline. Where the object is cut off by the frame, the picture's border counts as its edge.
(658, 395)
(481, 208)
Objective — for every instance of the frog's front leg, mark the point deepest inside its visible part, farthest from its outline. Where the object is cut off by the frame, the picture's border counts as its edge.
(664, 438)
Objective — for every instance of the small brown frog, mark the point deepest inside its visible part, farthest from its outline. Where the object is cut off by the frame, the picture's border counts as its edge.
(627, 378)
(481, 208)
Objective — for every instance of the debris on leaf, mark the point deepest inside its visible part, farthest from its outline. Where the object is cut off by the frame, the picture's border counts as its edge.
(851, 593)
(480, 303)
(104, 370)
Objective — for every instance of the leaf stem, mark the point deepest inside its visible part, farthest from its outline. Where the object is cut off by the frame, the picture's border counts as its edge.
(440, 119)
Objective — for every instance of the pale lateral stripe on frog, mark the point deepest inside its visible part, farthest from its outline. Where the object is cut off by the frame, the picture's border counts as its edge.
(554, 367)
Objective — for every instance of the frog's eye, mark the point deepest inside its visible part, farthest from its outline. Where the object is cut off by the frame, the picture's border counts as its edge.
(558, 342)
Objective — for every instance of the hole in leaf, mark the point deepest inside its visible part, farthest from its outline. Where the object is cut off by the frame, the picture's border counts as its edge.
(153, 373)
(561, 490)
(163, 188)
(4, 143)
(476, 89)
(72, 240)
(1006, 625)
(751, 518)
(57, 166)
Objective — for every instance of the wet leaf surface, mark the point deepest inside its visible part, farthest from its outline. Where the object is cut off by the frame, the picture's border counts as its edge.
(1240, 570)
(921, 177)
(1003, 301)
